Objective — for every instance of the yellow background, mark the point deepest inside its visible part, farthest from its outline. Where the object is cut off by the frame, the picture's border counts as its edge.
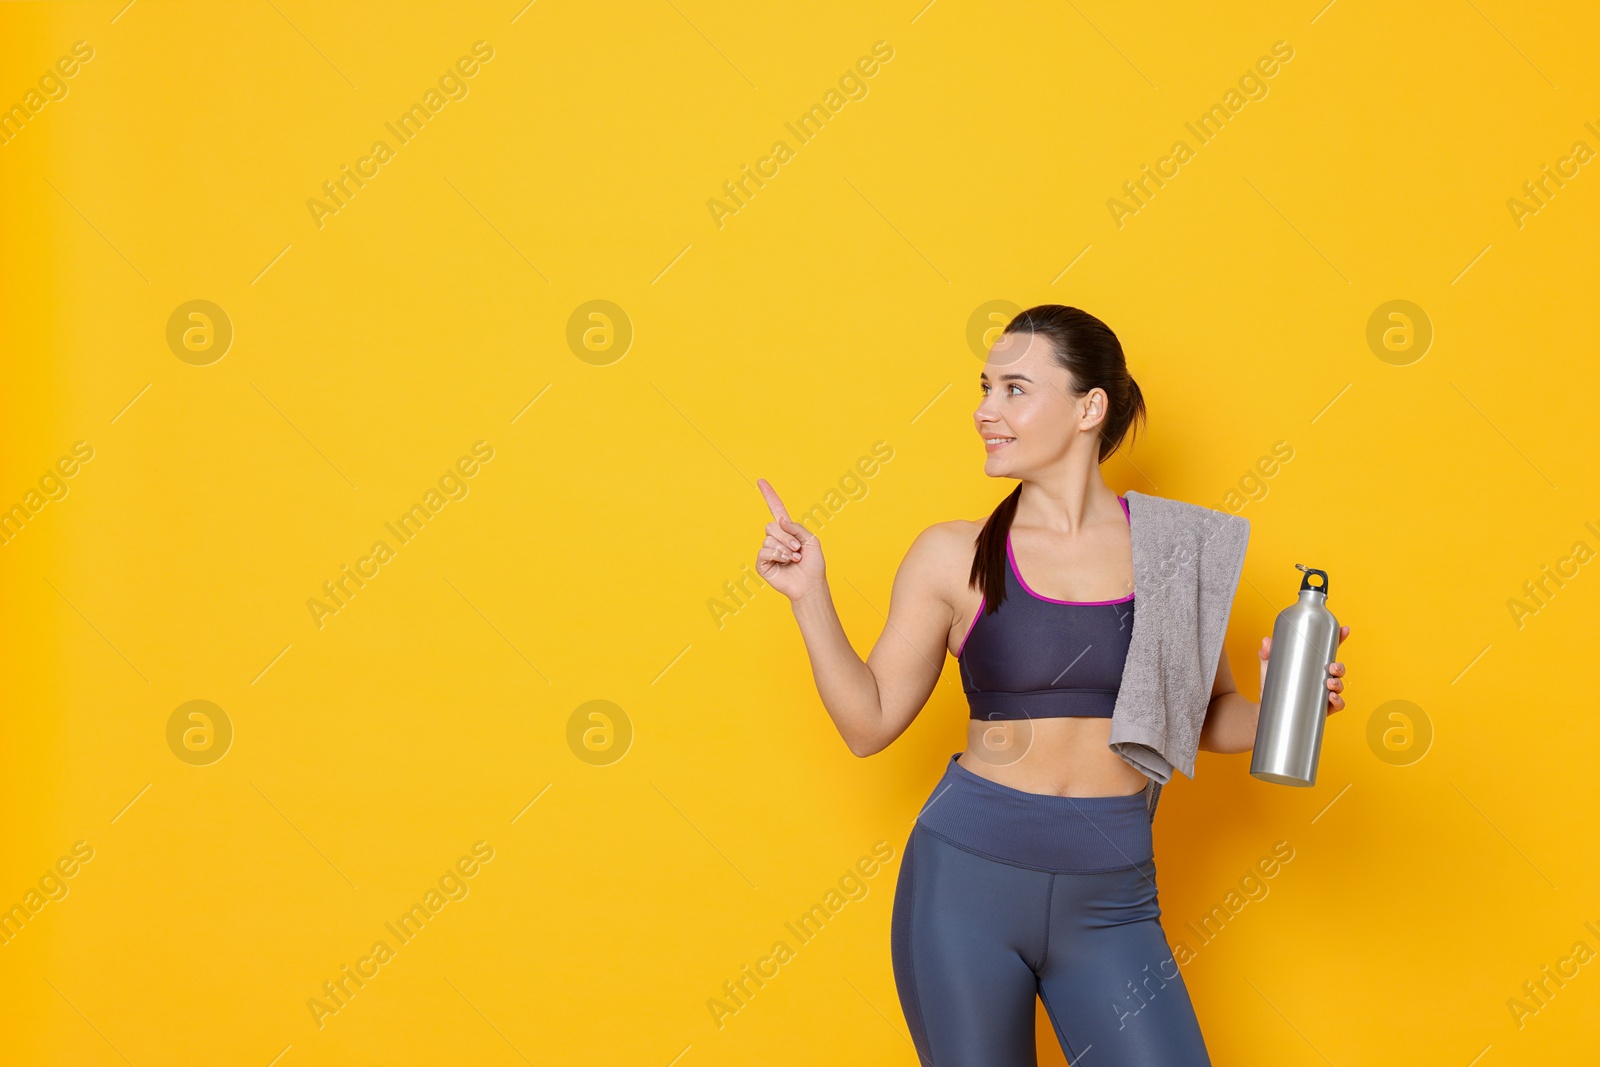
(829, 313)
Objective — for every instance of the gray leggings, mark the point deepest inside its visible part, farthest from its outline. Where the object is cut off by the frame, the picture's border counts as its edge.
(1004, 896)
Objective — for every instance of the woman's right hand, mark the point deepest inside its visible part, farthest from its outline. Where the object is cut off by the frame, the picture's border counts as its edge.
(790, 559)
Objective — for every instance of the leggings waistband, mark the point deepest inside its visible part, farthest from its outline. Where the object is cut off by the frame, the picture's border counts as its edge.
(1038, 830)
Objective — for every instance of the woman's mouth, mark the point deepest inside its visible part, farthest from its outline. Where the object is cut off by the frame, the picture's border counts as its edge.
(995, 444)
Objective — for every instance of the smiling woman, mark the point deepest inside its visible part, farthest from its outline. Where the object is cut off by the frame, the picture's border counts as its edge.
(1082, 702)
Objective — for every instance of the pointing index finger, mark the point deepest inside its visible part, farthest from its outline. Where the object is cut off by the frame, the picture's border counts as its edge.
(775, 505)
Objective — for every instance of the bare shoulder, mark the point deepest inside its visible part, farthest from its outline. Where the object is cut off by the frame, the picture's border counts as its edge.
(941, 555)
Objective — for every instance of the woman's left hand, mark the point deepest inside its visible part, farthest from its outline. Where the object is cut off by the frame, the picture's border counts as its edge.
(1335, 672)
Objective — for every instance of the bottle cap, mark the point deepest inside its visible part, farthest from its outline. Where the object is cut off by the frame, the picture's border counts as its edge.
(1305, 582)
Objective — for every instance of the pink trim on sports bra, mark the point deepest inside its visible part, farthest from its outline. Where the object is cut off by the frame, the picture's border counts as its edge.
(1012, 559)
(983, 601)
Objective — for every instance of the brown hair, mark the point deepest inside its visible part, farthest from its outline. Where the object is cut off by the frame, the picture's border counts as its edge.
(1092, 357)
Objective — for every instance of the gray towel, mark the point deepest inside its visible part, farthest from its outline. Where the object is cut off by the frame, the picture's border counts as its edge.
(1187, 560)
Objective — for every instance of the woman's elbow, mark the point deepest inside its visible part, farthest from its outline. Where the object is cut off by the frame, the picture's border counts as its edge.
(866, 746)
(867, 734)
(869, 741)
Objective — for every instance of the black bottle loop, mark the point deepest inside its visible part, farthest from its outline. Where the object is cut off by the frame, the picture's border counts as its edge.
(1305, 582)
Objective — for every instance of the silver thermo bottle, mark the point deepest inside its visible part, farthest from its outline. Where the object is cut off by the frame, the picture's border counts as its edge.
(1294, 696)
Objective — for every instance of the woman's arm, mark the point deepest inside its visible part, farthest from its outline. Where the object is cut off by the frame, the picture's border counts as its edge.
(873, 702)
(1230, 724)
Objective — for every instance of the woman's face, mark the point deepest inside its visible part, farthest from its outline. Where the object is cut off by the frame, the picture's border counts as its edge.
(1028, 417)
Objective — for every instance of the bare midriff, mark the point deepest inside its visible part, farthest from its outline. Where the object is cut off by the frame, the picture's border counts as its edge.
(1066, 756)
